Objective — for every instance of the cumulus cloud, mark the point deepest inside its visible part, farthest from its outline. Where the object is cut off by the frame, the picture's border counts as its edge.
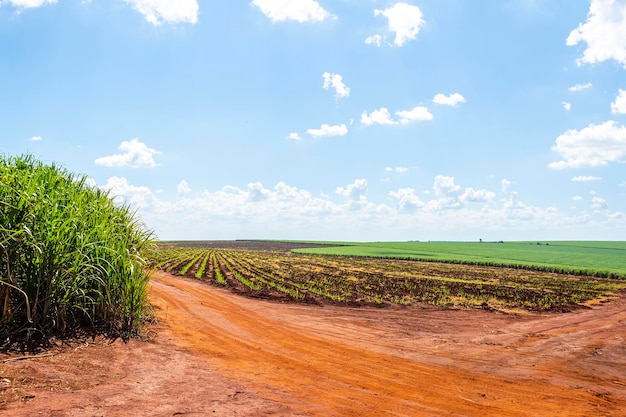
(137, 196)
(168, 11)
(298, 10)
(619, 105)
(598, 203)
(471, 195)
(328, 130)
(567, 106)
(451, 100)
(353, 191)
(585, 178)
(505, 184)
(452, 196)
(593, 146)
(136, 155)
(444, 186)
(257, 200)
(294, 136)
(28, 4)
(256, 192)
(604, 32)
(183, 188)
(580, 87)
(36, 138)
(375, 40)
(155, 11)
(443, 204)
(406, 199)
(335, 81)
(287, 212)
(404, 20)
(418, 113)
(380, 117)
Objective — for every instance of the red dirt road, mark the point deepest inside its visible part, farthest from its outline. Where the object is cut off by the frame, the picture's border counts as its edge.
(337, 361)
(221, 354)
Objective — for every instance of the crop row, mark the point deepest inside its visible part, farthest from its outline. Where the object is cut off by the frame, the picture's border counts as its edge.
(358, 281)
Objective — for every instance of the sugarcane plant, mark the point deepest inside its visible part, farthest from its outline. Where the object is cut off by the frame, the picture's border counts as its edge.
(70, 256)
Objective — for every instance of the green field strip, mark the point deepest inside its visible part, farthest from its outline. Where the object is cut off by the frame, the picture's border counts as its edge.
(217, 271)
(582, 257)
(202, 268)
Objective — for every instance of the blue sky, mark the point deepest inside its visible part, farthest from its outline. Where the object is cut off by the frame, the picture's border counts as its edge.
(330, 119)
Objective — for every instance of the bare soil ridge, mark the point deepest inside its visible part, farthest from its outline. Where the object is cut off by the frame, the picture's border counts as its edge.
(221, 354)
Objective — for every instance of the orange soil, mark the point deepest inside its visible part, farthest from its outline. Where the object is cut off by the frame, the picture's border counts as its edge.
(221, 354)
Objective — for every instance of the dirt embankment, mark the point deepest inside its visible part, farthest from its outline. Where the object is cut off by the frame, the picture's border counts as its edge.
(220, 354)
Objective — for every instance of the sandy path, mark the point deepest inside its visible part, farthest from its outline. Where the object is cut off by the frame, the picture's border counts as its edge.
(336, 361)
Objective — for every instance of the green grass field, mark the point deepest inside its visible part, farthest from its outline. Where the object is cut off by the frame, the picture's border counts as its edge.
(592, 257)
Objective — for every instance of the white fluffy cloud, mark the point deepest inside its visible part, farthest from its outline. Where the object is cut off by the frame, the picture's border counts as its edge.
(595, 145)
(567, 106)
(257, 193)
(451, 100)
(298, 10)
(505, 184)
(155, 11)
(183, 188)
(471, 195)
(580, 87)
(137, 196)
(598, 203)
(604, 32)
(136, 155)
(294, 136)
(283, 201)
(328, 130)
(404, 20)
(619, 105)
(380, 117)
(418, 113)
(27, 4)
(353, 191)
(335, 81)
(375, 40)
(585, 178)
(286, 212)
(406, 199)
(452, 196)
(36, 138)
(168, 11)
(444, 186)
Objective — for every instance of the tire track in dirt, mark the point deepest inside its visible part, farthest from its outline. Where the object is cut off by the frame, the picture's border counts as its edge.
(323, 361)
